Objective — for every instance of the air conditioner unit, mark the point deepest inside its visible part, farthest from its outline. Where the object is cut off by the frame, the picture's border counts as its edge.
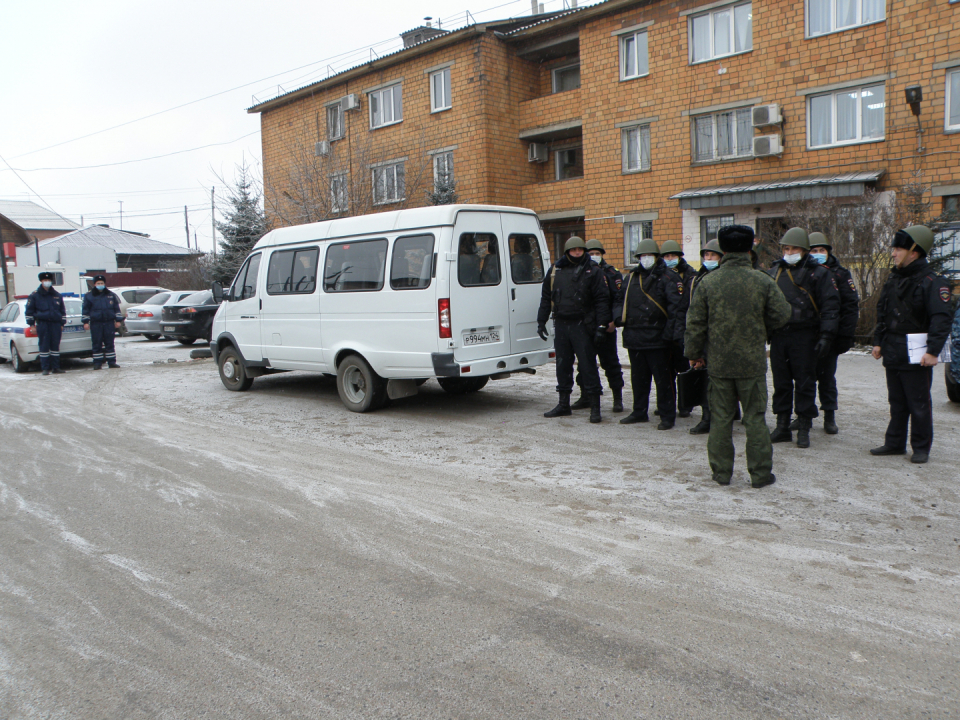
(766, 115)
(537, 152)
(766, 145)
(351, 102)
(322, 148)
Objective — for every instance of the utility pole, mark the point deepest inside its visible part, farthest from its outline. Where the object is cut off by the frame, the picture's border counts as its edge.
(121, 213)
(186, 225)
(3, 269)
(36, 241)
(213, 224)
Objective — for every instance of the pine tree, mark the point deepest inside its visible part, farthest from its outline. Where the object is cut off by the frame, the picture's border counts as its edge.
(244, 223)
(444, 191)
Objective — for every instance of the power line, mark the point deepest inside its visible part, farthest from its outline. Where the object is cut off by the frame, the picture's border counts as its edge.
(31, 189)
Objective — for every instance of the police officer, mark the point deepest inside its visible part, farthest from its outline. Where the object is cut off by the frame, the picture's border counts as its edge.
(822, 251)
(575, 290)
(710, 257)
(101, 316)
(607, 346)
(682, 274)
(806, 338)
(914, 300)
(46, 310)
(646, 306)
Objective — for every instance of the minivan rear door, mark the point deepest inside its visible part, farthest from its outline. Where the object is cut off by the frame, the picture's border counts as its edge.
(527, 261)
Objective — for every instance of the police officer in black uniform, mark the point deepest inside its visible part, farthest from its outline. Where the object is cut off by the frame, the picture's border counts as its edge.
(575, 290)
(914, 301)
(102, 316)
(710, 257)
(682, 274)
(807, 337)
(645, 307)
(46, 310)
(607, 346)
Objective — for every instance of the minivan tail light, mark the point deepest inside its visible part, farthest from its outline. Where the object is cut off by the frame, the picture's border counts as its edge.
(30, 331)
(443, 317)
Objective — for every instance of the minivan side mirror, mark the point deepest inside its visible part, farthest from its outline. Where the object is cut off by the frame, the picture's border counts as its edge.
(217, 289)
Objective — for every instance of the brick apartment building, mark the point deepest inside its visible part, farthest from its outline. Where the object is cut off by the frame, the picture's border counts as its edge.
(631, 118)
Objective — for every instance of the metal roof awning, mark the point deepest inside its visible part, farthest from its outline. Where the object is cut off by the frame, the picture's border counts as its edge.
(556, 131)
(778, 191)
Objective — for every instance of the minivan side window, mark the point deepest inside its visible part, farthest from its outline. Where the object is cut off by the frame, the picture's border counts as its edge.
(245, 284)
(412, 263)
(293, 272)
(355, 266)
(526, 262)
(478, 260)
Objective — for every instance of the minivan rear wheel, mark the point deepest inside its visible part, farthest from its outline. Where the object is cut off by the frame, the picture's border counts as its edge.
(461, 385)
(360, 388)
(232, 373)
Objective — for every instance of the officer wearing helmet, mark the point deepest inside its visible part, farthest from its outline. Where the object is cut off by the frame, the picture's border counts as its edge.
(606, 347)
(682, 274)
(575, 292)
(102, 316)
(646, 307)
(710, 257)
(915, 301)
(46, 310)
(806, 338)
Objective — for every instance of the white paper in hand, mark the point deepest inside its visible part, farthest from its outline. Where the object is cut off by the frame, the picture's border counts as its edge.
(916, 347)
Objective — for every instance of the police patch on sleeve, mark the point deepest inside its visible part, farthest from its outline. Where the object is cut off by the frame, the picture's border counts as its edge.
(619, 283)
(945, 294)
(680, 288)
(852, 286)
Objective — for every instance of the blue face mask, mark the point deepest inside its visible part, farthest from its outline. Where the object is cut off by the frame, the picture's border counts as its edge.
(671, 263)
(819, 257)
(710, 264)
(99, 287)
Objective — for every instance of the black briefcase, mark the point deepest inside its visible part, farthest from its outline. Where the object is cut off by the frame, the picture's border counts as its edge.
(692, 388)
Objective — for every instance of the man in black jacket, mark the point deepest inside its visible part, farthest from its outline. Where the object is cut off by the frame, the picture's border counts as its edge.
(46, 310)
(807, 337)
(102, 316)
(575, 291)
(646, 307)
(914, 310)
(682, 274)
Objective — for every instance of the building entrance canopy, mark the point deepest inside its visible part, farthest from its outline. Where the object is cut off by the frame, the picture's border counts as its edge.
(777, 191)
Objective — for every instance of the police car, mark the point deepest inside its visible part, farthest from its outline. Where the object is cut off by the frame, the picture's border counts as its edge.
(19, 343)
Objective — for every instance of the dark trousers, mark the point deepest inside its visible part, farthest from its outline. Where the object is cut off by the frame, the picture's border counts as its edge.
(827, 382)
(794, 366)
(574, 340)
(48, 333)
(102, 335)
(609, 361)
(908, 392)
(655, 364)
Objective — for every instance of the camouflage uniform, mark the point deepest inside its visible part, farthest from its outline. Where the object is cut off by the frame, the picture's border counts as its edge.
(731, 314)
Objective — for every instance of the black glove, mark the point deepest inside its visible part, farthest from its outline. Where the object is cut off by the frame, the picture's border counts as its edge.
(842, 344)
(599, 335)
(822, 348)
(542, 332)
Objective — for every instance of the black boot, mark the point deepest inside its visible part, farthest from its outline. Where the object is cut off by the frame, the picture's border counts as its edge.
(782, 432)
(637, 416)
(595, 409)
(830, 422)
(795, 425)
(617, 399)
(683, 412)
(702, 427)
(562, 409)
(582, 402)
(803, 432)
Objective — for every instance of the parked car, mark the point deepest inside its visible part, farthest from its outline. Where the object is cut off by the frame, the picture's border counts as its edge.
(134, 295)
(19, 342)
(190, 319)
(145, 319)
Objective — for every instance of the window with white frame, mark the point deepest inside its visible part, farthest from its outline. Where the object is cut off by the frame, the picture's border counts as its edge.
(725, 31)
(566, 78)
(826, 16)
(844, 117)
(633, 233)
(386, 106)
(339, 198)
(953, 99)
(634, 56)
(335, 121)
(569, 163)
(440, 90)
(723, 136)
(443, 168)
(388, 184)
(710, 227)
(635, 145)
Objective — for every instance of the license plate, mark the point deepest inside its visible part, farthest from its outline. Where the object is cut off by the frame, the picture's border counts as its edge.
(481, 338)
(169, 328)
(73, 328)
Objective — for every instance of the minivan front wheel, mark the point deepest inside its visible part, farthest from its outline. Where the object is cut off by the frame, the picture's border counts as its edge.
(360, 388)
(232, 373)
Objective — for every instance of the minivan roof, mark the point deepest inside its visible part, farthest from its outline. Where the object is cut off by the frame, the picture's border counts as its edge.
(385, 222)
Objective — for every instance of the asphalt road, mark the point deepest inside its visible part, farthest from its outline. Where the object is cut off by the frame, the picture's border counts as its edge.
(169, 549)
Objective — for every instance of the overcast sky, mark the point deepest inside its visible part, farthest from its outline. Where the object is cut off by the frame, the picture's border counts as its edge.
(71, 69)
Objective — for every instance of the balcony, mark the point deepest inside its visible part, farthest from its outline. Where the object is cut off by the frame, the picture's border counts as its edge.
(551, 117)
(554, 197)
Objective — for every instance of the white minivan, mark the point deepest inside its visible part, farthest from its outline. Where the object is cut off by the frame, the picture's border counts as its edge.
(389, 300)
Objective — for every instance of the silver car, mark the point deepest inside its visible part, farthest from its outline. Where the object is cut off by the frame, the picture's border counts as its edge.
(19, 342)
(144, 319)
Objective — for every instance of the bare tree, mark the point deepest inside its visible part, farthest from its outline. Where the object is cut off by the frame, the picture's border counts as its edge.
(193, 274)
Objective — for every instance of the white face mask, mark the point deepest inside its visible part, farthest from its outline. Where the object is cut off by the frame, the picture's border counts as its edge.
(648, 261)
(596, 258)
(47, 284)
(793, 259)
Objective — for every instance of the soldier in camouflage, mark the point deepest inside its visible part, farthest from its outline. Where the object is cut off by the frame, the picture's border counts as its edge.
(733, 311)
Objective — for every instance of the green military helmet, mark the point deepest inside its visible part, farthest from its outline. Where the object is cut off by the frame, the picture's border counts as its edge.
(671, 246)
(922, 236)
(797, 237)
(647, 246)
(712, 246)
(595, 245)
(574, 242)
(818, 239)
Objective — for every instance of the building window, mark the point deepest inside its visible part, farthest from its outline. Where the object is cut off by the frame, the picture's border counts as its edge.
(566, 78)
(443, 168)
(845, 117)
(826, 16)
(723, 136)
(335, 121)
(440, 91)
(388, 184)
(953, 99)
(339, 198)
(633, 55)
(951, 207)
(633, 233)
(386, 106)
(569, 163)
(722, 32)
(635, 144)
(710, 226)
